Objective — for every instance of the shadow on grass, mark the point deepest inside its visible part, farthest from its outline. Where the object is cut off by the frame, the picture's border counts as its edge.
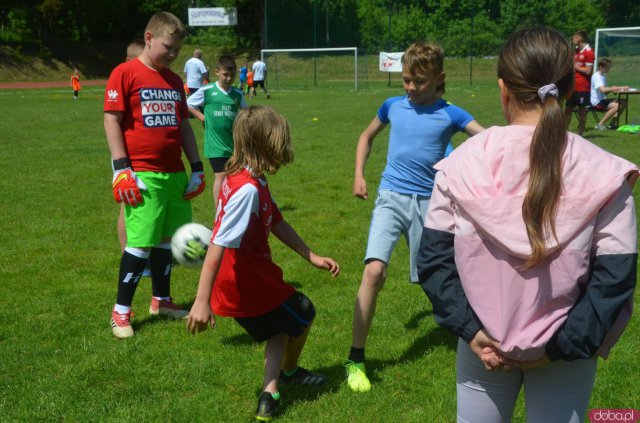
(437, 337)
(139, 323)
(415, 320)
(296, 285)
(593, 136)
(294, 394)
(238, 340)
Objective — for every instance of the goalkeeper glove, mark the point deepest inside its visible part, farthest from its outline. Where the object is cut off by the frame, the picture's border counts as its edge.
(194, 250)
(196, 182)
(126, 184)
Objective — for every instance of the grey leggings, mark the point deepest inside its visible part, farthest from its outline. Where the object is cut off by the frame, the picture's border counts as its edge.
(557, 392)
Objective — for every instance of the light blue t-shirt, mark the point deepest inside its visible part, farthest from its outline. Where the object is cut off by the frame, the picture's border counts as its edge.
(449, 150)
(418, 139)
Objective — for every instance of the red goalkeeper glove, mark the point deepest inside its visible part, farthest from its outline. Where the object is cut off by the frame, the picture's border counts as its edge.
(126, 184)
(196, 182)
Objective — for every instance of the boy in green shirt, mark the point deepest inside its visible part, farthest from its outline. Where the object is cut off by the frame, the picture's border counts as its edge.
(221, 102)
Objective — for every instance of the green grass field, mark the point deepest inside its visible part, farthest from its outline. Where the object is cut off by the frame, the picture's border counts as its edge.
(60, 255)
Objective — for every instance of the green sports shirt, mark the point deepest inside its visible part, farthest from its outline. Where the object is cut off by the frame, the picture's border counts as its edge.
(220, 109)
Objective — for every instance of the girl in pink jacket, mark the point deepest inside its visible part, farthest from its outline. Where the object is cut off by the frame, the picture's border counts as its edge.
(529, 249)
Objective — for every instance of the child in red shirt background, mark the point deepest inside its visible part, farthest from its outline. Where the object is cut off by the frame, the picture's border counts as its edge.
(75, 83)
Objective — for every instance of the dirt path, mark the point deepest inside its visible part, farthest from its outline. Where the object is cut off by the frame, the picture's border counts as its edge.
(21, 85)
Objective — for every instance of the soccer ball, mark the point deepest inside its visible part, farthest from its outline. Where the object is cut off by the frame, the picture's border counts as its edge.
(189, 244)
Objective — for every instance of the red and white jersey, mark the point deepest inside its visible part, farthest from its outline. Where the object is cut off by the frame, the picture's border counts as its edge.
(248, 283)
(153, 103)
(582, 58)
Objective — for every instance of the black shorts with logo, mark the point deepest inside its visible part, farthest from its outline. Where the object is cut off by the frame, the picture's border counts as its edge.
(579, 99)
(291, 317)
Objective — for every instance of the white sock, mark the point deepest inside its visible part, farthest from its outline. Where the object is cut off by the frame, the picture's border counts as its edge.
(120, 309)
(162, 298)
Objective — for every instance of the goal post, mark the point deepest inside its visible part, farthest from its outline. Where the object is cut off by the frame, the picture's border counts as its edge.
(622, 46)
(315, 54)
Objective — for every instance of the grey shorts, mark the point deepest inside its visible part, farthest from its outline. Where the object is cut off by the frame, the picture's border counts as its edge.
(396, 214)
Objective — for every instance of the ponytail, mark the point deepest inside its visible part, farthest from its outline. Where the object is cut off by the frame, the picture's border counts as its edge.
(536, 65)
(545, 181)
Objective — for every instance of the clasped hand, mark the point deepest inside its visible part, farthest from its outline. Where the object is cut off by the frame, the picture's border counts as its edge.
(488, 351)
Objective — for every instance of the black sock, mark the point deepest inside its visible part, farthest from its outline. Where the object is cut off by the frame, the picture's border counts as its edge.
(356, 355)
(131, 268)
(160, 266)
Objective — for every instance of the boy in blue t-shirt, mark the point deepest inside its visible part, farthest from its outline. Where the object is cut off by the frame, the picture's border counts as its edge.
(422, 124)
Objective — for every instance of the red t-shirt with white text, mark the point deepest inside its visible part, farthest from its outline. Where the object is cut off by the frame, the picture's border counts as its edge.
(153, 105)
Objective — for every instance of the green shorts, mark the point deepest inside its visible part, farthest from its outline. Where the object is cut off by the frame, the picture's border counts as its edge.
(162, 211)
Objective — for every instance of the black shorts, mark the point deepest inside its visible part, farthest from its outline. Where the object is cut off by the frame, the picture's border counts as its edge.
(257, 84)
(579, 99)
(604, 104)
(291, 317)
(218, 163)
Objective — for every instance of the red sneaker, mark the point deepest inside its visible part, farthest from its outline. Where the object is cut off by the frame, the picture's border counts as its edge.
(121, 324)
(167, 308)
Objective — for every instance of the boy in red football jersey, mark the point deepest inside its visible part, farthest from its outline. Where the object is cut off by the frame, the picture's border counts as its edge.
(249, 286)
(147, 127)
(583, 68)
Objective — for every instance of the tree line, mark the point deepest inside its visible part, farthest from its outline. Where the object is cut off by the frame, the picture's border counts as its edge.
(463, 27)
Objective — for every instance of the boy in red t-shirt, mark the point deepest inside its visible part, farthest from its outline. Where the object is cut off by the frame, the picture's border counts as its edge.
(147, 127)
(249, 286)
(583, 66)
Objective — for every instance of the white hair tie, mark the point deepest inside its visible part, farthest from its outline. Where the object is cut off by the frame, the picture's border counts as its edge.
(545, 90)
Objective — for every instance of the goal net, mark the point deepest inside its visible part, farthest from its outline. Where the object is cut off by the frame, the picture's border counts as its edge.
(305, 68)
(622, 47)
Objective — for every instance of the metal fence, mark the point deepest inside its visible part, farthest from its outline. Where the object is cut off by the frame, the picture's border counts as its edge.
(465, 28)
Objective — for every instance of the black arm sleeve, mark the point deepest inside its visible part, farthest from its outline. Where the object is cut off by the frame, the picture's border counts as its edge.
(439, 279)
(613, 278)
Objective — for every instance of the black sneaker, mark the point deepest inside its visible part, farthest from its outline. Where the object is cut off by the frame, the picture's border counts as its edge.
(302, 376)
(267, 407)
(612, 126)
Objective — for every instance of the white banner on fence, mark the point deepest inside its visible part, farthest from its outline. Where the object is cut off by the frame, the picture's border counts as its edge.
(391, 62)
(213, 16)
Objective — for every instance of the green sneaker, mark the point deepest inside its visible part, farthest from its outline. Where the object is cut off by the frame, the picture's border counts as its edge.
(357, 376)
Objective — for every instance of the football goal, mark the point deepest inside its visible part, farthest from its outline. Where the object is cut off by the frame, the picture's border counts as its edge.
(622, 47)
(341, 67)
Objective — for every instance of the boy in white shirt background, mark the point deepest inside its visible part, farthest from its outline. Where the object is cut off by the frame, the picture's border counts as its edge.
(599, 91)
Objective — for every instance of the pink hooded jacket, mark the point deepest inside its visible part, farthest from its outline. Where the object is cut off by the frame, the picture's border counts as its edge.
(574, 304)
